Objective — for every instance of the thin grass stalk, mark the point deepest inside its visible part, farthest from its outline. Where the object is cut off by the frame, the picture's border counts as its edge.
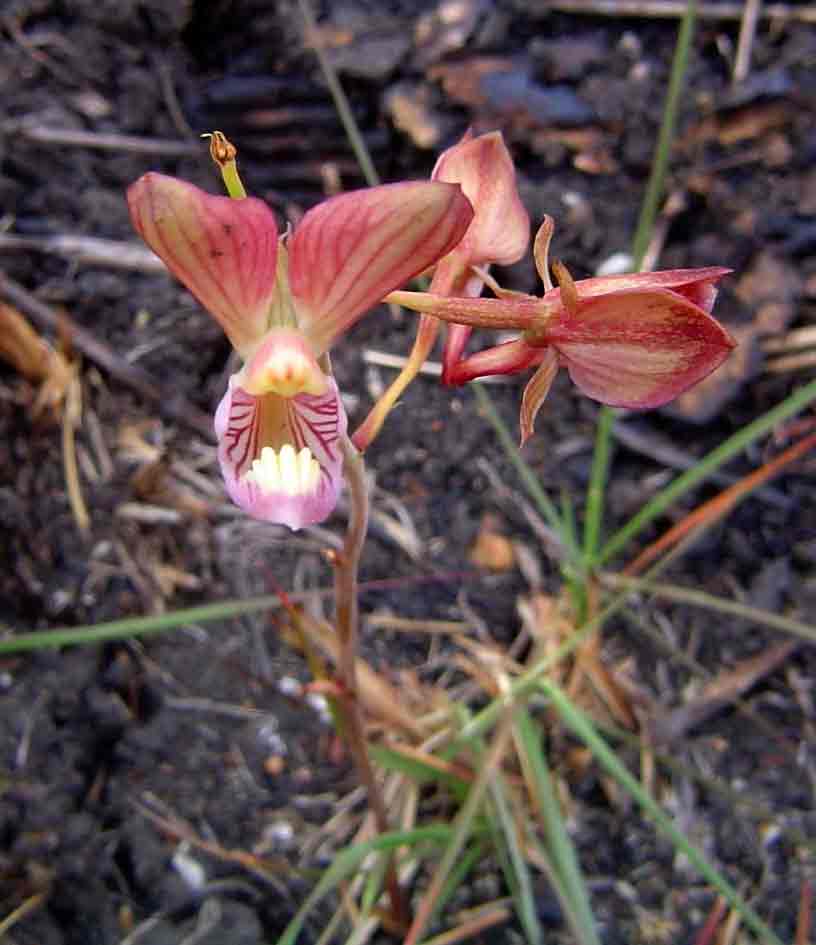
(597, 485)
(718, 507)
(462, 831)
(471, 927)
(559, 845)
(657, 177)
(341, 103)
(640, 243)
(348, 861)
(526, 474)
(140, 626)
(734, 445)
(687, 595)
(526, 684)
(522, 885)
(606, 757)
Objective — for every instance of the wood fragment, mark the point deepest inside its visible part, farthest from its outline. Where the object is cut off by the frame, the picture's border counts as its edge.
(71, 137)
(675, 9)
(745, 44)
(71, 419)
(172, 406)
(88, 250)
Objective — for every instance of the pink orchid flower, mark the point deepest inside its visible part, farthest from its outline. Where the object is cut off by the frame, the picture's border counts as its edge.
(499, 233)
(633, 341)
(283, 303)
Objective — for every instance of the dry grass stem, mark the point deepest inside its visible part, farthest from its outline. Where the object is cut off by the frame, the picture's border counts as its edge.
(87, 250)
(71, 419)
(72, 137)
(745, 43)
(676, 9)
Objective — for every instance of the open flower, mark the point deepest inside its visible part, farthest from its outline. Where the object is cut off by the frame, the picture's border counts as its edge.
(634, 341)
(499, 233)
(283, 304)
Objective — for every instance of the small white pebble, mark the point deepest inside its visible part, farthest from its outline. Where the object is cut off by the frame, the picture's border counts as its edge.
(190, 869)
(615, 265)
(319, 703)
(289, 686)
(279, 834)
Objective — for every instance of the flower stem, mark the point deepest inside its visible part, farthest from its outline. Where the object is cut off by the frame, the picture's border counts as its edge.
(347, 618)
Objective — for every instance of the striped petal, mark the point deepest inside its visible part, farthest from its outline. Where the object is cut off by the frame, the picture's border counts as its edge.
(280, 456)
(697, 285)
(351, 251)
(535, 393)
(638, 348)
(223, 250)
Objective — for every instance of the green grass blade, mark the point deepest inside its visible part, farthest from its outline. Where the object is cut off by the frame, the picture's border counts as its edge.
(688, 595)
(545, 505)
(561, 851)
(606, 757)
(640, 244)
(414, 768)
(726, 451)
(341, 103)
(519, 878)
(461, 832)
(597, 485)
(657, 177)
(348, 861)
(459, 873)
(138, 626)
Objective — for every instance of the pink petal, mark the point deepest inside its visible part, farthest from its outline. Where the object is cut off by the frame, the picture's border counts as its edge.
(456, 340)
(223, 250)
(697, 285)
(535, 393)
(638, 348)
(244, 425)
(500, 230)
(351, 251)
(508, 358)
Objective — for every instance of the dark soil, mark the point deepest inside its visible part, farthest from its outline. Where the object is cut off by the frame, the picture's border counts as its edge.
(109, 754)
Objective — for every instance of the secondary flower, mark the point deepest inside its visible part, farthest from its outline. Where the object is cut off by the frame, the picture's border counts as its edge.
(283, 303)
(634, 341)
(499, 233)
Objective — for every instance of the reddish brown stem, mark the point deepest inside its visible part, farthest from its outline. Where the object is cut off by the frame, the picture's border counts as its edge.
(345, 583)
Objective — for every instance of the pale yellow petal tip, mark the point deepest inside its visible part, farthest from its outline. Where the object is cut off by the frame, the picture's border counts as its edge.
(283, 365)
(285, 471)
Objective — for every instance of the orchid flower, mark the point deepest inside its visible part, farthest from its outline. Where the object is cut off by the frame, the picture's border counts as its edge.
(633, 341)
(499, 233)
(283, 303)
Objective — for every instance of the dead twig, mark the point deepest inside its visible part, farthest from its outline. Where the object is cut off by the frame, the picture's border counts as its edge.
(172, 406)
(745, 43)
(89, 250)
(71, 137)
(646, 442)
(674, 9)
